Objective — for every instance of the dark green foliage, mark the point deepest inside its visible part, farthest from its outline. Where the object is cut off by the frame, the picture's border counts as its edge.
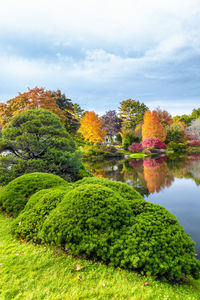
(175, 133)
(178, 148)
(28, 223)
(88, 220)
(96, 221)
(128, 138)
(72, 122)
(155, 244)
(123, 189)
(38, 141)
(15, 195)
(82, 173)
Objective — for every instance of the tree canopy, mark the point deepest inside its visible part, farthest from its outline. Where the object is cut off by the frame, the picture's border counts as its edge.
(38, 140)
(91, 128)
(131, 112)
(111, 123)
(152, 126)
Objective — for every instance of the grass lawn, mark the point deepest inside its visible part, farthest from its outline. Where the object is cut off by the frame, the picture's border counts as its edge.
(29, 271)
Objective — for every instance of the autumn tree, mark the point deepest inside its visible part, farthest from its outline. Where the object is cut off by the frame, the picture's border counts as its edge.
(111, 123)
(164, 117)
(152, 126)
(34, 98)
(91, 128)
(131, 112)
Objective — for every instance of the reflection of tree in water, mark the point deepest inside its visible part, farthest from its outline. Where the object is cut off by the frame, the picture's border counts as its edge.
(133, 175)
(193, 165)
(178, 167)
(156, 174)
(150, 175)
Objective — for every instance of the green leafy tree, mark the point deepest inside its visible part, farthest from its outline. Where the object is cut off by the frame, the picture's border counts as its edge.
(131, 112)
(36, 140)
(72, 112)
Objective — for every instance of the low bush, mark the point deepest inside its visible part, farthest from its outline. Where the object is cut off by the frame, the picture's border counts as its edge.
(193, 143)
(154, 143)
(28, 223)
(135, 147)
(178, 148)
(88, 220)
(96, 221)
(123, 189)
(15, 195)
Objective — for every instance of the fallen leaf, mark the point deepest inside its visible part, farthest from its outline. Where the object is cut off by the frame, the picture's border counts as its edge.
(78, 267)
(119, 269)
(145, 283)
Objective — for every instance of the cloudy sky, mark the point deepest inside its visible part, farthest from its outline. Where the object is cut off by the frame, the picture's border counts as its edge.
(100, 52)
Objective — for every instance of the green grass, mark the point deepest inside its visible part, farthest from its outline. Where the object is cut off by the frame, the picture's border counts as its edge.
(30, 271)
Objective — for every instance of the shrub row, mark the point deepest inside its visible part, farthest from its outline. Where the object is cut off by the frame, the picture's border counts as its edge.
(103, 219)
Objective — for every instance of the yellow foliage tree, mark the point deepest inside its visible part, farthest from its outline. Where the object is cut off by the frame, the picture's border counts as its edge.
(152, 126)
(91, 128)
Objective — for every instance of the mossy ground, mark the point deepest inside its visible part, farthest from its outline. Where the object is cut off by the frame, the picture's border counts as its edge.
(30, 271)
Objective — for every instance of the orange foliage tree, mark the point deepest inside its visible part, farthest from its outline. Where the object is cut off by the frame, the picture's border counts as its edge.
(34, 98)
(152, 126)
(91, 128)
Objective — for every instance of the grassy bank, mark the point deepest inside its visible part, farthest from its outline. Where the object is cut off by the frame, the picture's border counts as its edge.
(29, 271)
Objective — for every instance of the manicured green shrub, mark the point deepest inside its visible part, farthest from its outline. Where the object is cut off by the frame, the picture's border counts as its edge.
(28, 223)
(123, 189)
(88, 220)
(178, 148)
(15, 195)
(155, 244)
(96, 221)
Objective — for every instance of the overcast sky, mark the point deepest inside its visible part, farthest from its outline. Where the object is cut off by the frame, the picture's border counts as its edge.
(100, 52)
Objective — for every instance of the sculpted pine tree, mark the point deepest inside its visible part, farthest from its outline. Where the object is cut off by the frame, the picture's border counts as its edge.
(91, 128)
(152, 126)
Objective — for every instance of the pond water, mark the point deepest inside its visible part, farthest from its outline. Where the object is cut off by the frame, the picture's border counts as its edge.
(174, 184)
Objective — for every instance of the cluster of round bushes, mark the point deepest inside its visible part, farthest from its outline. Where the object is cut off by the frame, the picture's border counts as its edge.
(100, 219)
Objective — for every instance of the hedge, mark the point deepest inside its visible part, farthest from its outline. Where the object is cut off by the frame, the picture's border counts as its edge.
(15, 195)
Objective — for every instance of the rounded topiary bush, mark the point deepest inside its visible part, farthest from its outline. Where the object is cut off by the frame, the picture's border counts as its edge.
(123, 189)
(15, 195)
(155, 244)
(28, 223)
(88, 220)
(96, 221)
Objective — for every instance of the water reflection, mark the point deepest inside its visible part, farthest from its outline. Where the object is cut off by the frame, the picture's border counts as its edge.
(172, 183)
(148, 176)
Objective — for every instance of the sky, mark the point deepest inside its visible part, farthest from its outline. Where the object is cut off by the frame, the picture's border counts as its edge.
(100, 53)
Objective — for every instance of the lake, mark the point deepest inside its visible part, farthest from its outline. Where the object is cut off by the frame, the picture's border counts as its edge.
(172, 183)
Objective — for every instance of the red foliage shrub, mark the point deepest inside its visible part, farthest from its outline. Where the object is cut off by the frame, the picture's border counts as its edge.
(135, 147)
(193, 143)
(153, 142)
